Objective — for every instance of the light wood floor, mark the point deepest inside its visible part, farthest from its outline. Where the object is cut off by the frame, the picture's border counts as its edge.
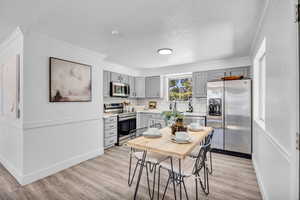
(105, 177)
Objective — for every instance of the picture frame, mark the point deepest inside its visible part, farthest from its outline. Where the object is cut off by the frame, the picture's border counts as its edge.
(69, 81)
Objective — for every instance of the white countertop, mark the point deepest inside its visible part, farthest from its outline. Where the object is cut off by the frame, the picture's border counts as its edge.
(157, 111)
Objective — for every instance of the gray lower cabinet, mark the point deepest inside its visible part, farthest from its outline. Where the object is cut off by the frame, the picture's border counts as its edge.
(199, 84)
(140, 87)
(106, 83)
(153, 84)
(148, 119)
(110, 131)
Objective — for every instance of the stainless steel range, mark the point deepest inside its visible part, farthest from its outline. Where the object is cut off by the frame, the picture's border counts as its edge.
(126, 120)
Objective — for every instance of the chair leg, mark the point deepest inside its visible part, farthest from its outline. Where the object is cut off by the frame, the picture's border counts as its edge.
(133, 175)
(166, 187)
(207, 186)
(173, 178)
(196, 183)
(154, 176)
(210, 160)
(148, 182)
(158, 182)
(186, 194)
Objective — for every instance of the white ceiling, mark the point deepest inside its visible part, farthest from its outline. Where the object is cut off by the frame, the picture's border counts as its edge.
(197, 30)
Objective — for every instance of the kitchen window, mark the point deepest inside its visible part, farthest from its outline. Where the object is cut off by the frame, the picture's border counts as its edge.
(180, 88)
(259, 85)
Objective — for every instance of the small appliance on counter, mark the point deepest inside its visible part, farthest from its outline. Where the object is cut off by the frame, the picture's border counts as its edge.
(152, 104)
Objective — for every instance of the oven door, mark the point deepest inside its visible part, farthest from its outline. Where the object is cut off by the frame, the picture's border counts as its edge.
(119, 89)
(124, 127)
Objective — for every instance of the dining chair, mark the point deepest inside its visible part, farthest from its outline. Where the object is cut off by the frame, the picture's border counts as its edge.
(207, 141)
(191, 167)
(152, 159)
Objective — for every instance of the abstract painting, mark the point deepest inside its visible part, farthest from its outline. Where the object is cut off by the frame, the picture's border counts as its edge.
(10, 87)
(70, 81)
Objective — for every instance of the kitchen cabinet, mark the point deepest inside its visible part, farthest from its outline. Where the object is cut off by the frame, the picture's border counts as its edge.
(240, 71)
(148, 119)
(110, 131)
(219, 74)
(106, 83)
(215, 74)
(117, 77)
(199, 84)
(132, 87)
(153, 85)
(140, 86)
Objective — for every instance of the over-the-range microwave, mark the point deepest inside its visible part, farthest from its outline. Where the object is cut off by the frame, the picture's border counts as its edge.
(119, 89)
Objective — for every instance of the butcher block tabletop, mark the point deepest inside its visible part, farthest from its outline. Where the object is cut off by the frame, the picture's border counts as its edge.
(165, 146)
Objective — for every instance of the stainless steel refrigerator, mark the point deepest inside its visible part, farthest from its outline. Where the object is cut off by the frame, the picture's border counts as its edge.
(229, 113)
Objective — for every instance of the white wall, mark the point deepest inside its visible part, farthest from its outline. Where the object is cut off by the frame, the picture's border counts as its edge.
(11, 129)
(274, 154)
(59, 135)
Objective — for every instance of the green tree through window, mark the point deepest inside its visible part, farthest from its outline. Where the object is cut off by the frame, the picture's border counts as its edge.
(180, 88)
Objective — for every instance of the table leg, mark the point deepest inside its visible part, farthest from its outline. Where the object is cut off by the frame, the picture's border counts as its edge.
(140, 174)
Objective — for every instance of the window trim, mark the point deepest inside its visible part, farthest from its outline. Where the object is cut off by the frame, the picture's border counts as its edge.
(259, 86)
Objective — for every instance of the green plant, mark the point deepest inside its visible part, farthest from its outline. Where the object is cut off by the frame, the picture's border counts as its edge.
(172, 115)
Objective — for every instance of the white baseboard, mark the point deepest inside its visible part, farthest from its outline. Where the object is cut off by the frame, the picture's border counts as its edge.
(29, 178)
(11, 168)
(259, 180)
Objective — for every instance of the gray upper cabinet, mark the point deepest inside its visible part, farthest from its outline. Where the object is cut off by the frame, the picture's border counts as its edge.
(116, 77)
(199, 84)
(153, 87)
(216, 74)
(106, 83)
(239, 71)
(132, 86)
(140, 86)
(219, 74)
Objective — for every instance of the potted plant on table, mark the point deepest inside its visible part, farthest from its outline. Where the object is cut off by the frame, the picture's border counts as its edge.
(174, 120)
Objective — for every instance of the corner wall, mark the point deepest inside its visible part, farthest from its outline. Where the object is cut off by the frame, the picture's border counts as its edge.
(274, 149)
(59, 135)
(11, 140)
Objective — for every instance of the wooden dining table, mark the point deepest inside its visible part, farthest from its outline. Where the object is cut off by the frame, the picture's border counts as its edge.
(165, 146)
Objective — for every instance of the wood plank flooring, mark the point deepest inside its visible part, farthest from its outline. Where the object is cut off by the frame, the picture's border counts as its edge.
(105, 177)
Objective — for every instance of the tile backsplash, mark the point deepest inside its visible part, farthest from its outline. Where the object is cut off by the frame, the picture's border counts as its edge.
(199, 104)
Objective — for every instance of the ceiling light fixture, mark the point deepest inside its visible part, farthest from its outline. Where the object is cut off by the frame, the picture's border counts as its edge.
(165, 51)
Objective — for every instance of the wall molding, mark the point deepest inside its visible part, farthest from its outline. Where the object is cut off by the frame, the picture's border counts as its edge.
(259, 27)
(11, 168)
(285, 153)
(49, 123)
(259, 180)
(34, 176)
(11, 38)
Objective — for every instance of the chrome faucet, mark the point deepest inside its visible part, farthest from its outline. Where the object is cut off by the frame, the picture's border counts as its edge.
(175, 105)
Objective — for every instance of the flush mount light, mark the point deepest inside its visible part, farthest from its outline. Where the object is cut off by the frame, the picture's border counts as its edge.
(165, 51)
